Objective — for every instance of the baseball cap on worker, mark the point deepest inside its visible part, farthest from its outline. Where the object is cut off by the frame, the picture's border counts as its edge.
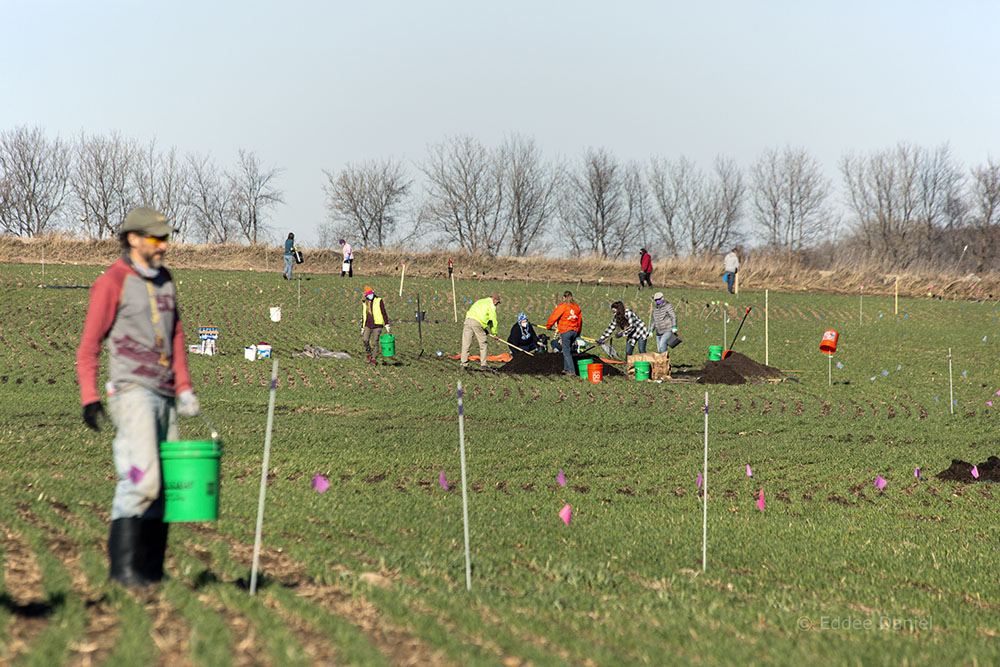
(146, 220)
(657, 296)
(495, 297)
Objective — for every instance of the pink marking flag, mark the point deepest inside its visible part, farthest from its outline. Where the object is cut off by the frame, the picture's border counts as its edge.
(760, 501)
(975, 472)
(320, 483)
(565, 514)
(443, 482)
(561, 478)
(697, 482)
(879, 482)
(749, 472)
(916, 473)
(135, 474)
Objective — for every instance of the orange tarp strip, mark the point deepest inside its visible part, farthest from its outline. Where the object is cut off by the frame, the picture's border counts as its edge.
(490, 357)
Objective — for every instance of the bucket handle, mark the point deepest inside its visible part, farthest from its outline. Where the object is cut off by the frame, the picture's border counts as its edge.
(211, 428)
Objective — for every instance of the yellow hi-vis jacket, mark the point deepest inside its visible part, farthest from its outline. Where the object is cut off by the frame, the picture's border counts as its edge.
(376, 312)
(485, 312)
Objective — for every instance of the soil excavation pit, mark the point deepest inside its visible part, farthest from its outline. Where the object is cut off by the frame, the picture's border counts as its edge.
(961, 471)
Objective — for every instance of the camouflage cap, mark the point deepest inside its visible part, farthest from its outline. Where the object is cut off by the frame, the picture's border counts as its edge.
(146, 220)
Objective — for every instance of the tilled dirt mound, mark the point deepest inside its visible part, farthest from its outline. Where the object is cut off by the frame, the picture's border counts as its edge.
(734, 369)
(961, 471)
(541, 364)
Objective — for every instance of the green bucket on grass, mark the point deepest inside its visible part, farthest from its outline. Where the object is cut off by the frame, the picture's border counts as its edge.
(642, 370)
(715, 353)
(190, 480)
(581, 366)
(388, 343)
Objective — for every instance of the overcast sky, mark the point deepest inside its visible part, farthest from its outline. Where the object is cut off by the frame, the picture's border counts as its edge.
(315, 85)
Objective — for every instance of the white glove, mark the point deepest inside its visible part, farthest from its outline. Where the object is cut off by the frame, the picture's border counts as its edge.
(188, 405)
(387, 328)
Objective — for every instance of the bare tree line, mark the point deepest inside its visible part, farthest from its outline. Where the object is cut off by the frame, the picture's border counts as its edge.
(903, 205)
(87, 186)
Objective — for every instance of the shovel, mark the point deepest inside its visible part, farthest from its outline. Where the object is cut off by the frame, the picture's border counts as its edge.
(727, 352)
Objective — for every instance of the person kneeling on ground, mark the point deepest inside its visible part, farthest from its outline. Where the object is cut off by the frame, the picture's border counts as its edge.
(664, 321)
(480, 318)
(630, 325)
(373, 318)
(522, 335)
(568, 320)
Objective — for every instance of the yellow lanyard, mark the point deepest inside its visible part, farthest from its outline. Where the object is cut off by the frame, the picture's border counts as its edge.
(156, 320)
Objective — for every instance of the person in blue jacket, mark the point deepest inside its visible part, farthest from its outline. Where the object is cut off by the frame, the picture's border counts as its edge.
(289, 256)
(522, 335)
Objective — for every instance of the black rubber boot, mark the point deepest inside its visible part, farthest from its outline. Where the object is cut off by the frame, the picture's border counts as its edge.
(152, 548)
(123, 552)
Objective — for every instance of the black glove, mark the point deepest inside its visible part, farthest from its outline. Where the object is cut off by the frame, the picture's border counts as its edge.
(91, 412)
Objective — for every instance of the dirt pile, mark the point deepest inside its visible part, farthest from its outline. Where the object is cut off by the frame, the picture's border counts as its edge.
(734, 369)
(540, 364)
(961, 471)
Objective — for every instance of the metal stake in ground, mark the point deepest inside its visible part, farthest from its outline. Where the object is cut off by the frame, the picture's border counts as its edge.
(766, 361)
(465, 494)
(704, 494)
(420, 333)
(454, 299)
(263, 478)
(298, 291)
(951, 390)
(861, 304)
(402, 275)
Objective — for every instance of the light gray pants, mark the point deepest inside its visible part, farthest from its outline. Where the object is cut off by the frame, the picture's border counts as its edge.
(142, 419)
(289, 263)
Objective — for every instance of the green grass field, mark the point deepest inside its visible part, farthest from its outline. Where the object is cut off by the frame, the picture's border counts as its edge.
(909, 570)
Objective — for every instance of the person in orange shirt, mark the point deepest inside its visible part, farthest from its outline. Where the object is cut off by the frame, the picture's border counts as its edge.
(568, 320)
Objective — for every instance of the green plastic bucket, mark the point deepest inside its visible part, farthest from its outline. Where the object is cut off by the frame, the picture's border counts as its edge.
(581, 366)
(388, 343)
(190, 480)
(642, 370)
(715, 353)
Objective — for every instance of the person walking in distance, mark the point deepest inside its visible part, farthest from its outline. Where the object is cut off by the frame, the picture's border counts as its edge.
(730, 266)
(567, 319)
(373, 318)
(664, 321)
(482, 317)
(134, 306)
(347, 267)
(645, 268)
(289, 256)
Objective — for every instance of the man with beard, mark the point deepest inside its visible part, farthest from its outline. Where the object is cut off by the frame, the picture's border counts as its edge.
(133, 305)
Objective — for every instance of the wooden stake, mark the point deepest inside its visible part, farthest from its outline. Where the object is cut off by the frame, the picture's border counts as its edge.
(401, 276)
(896, 298)
(861, 304)
(454, 299)
(951, 387)
(736, 283)
(766, 362)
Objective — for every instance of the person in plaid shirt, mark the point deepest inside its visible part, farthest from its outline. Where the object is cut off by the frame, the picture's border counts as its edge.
(630, 325)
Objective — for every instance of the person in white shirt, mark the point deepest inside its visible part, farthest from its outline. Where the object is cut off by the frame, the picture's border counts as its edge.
(730, 265)
(347, 268)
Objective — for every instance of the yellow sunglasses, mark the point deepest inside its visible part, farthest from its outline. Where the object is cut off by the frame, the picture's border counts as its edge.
(158, 239)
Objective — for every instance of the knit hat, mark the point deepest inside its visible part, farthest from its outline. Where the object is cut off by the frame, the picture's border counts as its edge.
(368, 290)
(657, 296)
(521, 316)
(342, 241)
